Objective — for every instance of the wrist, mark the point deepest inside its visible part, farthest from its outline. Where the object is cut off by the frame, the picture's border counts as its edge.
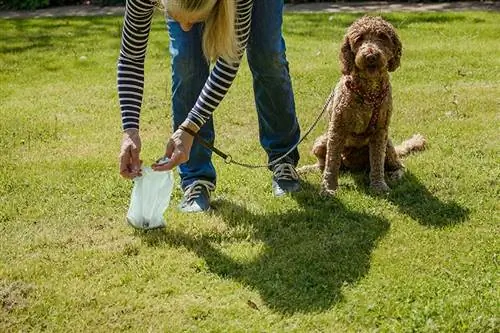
(131, 131)
(189, 125)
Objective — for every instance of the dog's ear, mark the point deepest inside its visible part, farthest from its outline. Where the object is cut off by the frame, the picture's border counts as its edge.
(346, 57)
(397, 51)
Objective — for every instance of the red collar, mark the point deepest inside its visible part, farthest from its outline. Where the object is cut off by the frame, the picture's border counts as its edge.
(375, 99)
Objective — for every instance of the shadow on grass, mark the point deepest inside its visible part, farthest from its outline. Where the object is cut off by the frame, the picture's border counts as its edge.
(308, 255)
(46, 34)
(415, 200)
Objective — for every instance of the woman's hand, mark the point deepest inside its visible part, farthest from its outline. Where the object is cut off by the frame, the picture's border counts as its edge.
(130, 163)
(178, 149)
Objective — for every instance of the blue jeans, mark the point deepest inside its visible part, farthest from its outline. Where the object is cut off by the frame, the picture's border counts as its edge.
(278, 126)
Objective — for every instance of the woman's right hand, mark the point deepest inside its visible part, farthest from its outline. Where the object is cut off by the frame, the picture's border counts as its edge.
(130, 163)
(177, 151)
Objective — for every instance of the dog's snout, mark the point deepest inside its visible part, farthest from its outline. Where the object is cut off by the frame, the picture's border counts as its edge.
(372, 57)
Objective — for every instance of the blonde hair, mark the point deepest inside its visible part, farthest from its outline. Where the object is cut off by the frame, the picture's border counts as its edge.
(219, 35)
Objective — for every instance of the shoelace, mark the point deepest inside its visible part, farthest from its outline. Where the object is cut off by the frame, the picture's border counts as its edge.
(285, 171)
(193, 191)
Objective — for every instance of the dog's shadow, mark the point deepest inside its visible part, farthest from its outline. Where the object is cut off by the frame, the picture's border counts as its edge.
(415, 200)
(304, 256)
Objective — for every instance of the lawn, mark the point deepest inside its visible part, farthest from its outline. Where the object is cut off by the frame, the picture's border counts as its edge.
(422, 259)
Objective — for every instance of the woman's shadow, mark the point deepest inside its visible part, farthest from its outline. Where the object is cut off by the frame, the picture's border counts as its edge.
(307, 255)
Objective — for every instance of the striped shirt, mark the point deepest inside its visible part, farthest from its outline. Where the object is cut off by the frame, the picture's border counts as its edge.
(136, 28)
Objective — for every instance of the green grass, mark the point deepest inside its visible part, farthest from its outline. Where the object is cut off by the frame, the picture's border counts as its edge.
(423, 259)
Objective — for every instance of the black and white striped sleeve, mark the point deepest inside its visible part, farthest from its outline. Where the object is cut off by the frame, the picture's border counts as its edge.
(223, 73)
(130, 74)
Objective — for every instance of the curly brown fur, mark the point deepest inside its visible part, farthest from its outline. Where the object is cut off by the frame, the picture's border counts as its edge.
(360, 111)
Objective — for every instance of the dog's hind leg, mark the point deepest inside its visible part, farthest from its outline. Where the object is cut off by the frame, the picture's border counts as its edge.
(309, 168)
(319, 150)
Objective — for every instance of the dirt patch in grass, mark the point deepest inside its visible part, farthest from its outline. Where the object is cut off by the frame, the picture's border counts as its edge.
(13, 295)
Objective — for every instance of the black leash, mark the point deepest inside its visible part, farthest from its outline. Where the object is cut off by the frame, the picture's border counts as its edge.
(229, 159)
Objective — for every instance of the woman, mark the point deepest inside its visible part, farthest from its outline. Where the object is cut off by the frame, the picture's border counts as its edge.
(204, 31)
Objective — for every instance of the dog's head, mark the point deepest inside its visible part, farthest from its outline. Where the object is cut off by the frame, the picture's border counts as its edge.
(371, 45)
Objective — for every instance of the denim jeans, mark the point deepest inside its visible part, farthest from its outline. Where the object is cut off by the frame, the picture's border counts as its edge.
(278, 126)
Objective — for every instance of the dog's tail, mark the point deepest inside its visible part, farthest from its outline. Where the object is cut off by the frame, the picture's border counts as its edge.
(416, 143)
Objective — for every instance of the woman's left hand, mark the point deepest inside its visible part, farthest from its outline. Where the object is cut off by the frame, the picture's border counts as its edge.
(178, 149)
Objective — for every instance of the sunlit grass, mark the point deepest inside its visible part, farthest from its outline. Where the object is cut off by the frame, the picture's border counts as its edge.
(423, 259)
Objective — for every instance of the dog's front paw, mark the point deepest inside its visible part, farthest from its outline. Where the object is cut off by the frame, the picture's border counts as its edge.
(329, 184)
(327, 192)
(380, 187)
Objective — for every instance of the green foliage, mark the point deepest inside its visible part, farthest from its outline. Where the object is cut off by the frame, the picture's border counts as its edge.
(37, 4)
(24, 4)
(422, 259)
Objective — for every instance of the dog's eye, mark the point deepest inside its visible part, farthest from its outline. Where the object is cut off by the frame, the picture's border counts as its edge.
(357, 40)
(383, 37)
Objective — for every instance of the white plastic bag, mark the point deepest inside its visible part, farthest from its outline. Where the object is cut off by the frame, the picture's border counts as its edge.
(150, 198)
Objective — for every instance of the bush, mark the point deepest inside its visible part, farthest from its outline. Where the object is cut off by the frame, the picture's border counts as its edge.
(23, 4)
(36, 4)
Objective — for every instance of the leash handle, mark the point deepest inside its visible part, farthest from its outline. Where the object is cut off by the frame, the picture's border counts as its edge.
(227, 158)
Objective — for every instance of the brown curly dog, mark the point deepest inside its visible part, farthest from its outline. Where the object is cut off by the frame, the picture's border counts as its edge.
(361, 108)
